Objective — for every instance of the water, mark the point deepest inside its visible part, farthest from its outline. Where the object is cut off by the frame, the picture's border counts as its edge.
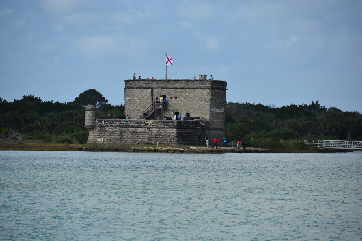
(152, 196)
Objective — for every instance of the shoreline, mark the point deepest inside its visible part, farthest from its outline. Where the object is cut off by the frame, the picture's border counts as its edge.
(33, 146)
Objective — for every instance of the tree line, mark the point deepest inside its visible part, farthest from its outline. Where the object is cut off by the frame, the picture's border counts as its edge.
(284, 127)
(258, 125)
(30, 118)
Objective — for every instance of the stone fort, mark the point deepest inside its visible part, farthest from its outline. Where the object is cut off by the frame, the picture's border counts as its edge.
(154, 106)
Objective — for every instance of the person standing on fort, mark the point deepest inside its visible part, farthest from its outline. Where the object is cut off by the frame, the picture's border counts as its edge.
(238, 143)
(161, 101)
(157, 102)
(164, 102)
(134, 76)
(215, 143)
(211, 78)
(224, 139)
(207, 141)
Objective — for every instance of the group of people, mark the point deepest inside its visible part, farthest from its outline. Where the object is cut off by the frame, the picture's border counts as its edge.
(239, 143)
(177, 117)
(160, 102)
(207, 141)
(211, 78)
(139, 77)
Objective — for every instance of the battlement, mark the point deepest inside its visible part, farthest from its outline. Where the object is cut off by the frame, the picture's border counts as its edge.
(175, 84)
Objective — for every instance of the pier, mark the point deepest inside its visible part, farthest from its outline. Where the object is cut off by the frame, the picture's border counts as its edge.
(336, 144)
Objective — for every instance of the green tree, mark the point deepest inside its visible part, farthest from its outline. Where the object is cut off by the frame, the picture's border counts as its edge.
(12, 120)
(108, 109)
(343, 125)
(67, 128)
(237, 129)
(308, 127)
(283, 134)
(91, 97)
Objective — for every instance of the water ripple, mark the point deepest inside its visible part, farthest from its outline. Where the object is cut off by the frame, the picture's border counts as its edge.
(155, 196)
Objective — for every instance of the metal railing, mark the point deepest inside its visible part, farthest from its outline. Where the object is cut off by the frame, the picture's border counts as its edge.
(148, 111)
(337, 144)
(151, 109)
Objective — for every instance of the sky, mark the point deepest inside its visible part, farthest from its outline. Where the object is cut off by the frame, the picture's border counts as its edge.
(273, 52)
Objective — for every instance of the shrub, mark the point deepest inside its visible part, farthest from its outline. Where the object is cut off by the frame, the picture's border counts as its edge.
(81, 137)
(39, 136)
(67, 128)
(284, 134)
(64, 140)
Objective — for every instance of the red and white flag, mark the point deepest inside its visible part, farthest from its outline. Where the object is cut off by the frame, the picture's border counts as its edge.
(169, 60)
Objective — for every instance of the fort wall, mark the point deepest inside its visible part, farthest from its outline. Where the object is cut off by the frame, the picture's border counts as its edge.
(204, 100)
(167, 132)
(200, 98)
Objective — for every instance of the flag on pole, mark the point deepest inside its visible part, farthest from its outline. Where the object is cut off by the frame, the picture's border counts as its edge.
(169, 60)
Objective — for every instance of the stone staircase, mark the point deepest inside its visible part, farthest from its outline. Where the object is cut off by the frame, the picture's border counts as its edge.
(148, 111)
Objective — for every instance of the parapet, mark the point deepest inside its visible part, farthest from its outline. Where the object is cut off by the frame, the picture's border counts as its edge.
(202, 76)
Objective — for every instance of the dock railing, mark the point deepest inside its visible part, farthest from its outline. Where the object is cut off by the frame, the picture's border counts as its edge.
(336, 144)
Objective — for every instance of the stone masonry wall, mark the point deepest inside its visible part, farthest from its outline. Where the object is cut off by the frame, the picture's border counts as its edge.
(145, 132)
(184, 96)
(217, 109)
(136, 101)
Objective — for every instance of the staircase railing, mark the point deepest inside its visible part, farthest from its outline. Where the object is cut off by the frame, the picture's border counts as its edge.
(148, 111)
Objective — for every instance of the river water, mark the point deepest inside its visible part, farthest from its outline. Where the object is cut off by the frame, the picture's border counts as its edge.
(159, 196)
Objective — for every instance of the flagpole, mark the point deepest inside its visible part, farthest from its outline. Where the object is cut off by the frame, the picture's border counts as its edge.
(166, 66)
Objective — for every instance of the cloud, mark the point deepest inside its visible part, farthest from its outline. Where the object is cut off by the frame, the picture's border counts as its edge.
(197, 10)
(5, 12)
(88, 18)
(224, 70)
(261, 12)
(59, 7)
(97, 46)
(58, 28)
(111, 47)
(210, 43)
(77, 12)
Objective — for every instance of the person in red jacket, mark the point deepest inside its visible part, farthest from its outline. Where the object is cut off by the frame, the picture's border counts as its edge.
(215, 143)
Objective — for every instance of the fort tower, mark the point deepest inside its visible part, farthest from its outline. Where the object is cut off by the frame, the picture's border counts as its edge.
(152, 105)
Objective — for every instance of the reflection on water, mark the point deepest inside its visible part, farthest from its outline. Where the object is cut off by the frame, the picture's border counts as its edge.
(153, 196)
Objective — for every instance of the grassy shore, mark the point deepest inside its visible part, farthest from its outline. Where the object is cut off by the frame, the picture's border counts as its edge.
(40, 146)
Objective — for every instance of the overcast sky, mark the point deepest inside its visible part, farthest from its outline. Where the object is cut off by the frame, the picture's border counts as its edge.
(273, 52)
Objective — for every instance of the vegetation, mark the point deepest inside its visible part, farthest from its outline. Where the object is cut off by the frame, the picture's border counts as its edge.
(260, 126)
(285, 127)
(49, 121)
